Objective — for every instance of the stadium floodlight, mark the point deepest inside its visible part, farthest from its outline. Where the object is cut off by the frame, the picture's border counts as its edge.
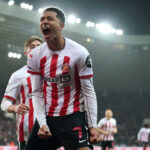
(71, 19)
(18, 56)
(11, 2)
(105, 28)
(10, 54)
(40, 10)
(119, 32)
(78, 20)
(15, 55)
(90, 24)
(30, 7)
(22, 5)
(88, 40)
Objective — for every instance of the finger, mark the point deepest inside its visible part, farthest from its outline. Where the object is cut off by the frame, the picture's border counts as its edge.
(24, 106)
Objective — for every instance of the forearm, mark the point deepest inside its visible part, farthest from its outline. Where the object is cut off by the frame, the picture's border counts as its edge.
(7, 105)
(90, 101)
(38, 99)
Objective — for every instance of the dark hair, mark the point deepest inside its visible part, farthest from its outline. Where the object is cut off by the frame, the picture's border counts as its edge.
(59, 12)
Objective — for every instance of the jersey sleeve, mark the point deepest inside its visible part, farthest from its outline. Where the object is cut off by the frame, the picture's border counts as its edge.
(100, 124)
(115, 123)
(84, 65)
(13, 88)
(32, 62)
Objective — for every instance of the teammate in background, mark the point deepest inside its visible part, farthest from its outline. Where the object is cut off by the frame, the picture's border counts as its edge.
(107, 127)
(61, 73)
(143, 136)
(17, 98)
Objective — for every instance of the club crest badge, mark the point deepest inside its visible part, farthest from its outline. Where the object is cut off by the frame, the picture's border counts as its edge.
(65, 68)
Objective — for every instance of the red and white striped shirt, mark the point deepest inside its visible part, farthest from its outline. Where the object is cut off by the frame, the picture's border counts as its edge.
(61, 72)
(19, 90)
(143, 134)
(107, 125)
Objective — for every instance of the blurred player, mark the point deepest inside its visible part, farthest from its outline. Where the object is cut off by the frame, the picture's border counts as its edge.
(17, 98)
(143, 136)
(63, 68)
(107, 127)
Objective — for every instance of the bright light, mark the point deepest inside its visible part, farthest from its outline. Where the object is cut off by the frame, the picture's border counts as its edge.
(30, 7)
(40, 10)
(88, 40)
(26, 6)
(10, 54)
(18, 56)
(14, 55)
(90, 24)
(119, 32)
(78, 20)
(105, 28)
(71, 19)
(11, 2)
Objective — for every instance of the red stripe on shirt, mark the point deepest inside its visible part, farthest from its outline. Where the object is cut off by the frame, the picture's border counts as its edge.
(31, 120)
(63, 110)
(34, 73)
(42, 70)
(42, 65)
(9, 97)
(21, 130)
(54, 92)
(78, 90)
(88, 76)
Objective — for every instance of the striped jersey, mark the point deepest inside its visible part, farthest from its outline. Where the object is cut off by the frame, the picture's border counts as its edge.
(143, 134)
(107, 125)
(19, 90)
(61, 72)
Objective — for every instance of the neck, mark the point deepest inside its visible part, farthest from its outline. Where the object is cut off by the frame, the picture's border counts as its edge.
(57, 44)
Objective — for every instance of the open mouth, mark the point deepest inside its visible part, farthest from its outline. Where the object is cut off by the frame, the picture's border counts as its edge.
(46, 31)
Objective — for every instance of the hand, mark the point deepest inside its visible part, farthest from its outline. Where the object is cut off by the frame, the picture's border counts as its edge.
(21, 109)
(94, 135)
(106, 132)
(44, 132)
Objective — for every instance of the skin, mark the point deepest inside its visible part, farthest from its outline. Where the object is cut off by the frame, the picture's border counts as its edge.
(55, 42)
(22, 108)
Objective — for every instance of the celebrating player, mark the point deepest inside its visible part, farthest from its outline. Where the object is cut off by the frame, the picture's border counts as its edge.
(17, 98)
(143, 136)
(107, 127)
(61, 73)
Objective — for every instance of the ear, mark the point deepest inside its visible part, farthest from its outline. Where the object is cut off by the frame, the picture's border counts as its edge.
(25, 53)
(62, 25)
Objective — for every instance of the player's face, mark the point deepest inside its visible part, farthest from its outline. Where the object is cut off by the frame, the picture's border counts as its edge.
(108, 114)
(50, 26)
(33, 45)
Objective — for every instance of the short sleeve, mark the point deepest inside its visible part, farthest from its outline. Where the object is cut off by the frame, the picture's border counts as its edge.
(115, 123)
(13, 88)
(32, 62)
(84, 65)
(100, 124)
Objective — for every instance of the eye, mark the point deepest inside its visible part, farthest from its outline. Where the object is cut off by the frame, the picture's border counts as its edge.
(42, 18)
(50, 18)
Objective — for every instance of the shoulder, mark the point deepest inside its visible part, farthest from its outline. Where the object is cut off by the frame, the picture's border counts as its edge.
(78, 47)
(103, 120)
(113, 120)
(38, 50)
(18, 75)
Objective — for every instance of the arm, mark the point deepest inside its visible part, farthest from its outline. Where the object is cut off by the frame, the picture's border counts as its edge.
(38, 99)
(11, 93)
(90, 101)
(8, 106)
(139, 135)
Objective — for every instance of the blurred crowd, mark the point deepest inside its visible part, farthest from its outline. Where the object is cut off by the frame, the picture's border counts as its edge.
(129, 110)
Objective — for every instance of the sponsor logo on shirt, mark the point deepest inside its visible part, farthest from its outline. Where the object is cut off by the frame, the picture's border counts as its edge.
(60, 79)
